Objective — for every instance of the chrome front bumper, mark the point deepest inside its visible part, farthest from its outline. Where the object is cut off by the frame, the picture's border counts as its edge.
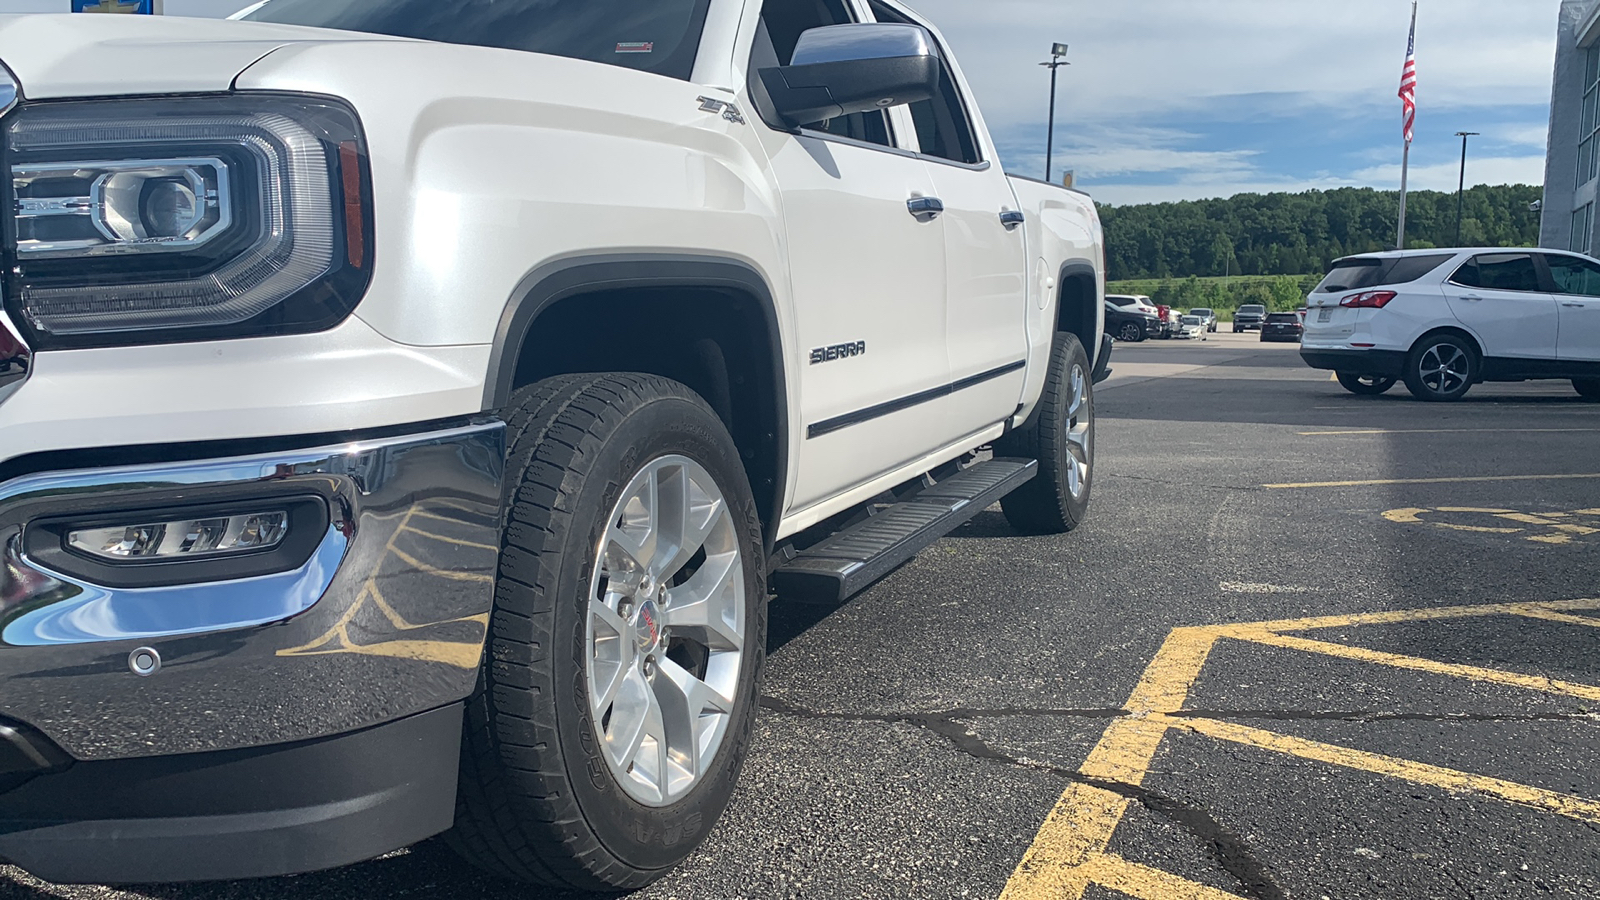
(385, 618)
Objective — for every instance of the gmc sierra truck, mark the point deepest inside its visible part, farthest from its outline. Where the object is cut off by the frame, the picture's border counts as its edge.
(408, 408)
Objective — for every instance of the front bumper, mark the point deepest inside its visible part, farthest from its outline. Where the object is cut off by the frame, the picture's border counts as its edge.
(386, 617)
(1377, 363)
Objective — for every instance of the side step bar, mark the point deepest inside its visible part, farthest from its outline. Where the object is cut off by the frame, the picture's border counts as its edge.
(852, 560)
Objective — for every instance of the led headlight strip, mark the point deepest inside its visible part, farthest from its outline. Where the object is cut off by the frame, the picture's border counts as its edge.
(138, 221)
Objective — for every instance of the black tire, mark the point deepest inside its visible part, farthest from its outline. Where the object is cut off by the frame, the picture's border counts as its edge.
(1365, 385)
(1132, 333)
(537, 801)
(1237, 329)
(1447, 385)
(1588, 388)
(1047, 505)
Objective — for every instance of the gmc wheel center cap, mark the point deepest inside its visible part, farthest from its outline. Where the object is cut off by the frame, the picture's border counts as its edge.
(647, 626)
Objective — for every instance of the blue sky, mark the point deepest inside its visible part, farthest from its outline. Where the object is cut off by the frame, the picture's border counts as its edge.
(1182, 99)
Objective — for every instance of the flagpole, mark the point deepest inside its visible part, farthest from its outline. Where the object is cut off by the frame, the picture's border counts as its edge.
(1405, 173)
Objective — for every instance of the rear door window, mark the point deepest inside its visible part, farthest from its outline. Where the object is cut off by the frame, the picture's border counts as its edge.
(1500, 272)
(944, 129)
(1574, 275)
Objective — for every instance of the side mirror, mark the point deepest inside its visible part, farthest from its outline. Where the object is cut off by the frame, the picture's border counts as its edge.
(842, 69)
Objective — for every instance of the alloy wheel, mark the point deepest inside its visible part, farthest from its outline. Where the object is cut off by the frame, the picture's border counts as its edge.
(1080, 452)
(666, 630)
(1444, 368)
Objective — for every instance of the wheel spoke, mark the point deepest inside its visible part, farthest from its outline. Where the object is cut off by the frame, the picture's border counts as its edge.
(688, 514)
(631, 719)
(636, 531)
(613, 652)
(693, 714)
(709, 608)
(1078, 392)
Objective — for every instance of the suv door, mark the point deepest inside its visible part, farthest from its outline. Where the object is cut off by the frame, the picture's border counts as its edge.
(1501, 297)
(866, 275)
(1577, 284)
(986, 260)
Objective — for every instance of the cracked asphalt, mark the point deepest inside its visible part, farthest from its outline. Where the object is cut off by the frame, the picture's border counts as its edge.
(912, 743)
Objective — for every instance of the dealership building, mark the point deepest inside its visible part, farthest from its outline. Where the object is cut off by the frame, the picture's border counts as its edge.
(1569, 219)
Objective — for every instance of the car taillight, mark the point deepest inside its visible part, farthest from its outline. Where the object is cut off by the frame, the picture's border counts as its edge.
(1368, 300)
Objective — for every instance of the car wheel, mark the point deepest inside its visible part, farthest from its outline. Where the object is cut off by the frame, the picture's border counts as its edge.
(1588, 388)
(1365, 385)
(1132, 333)
(1237, 329)
(1441, 368)
(1060, 435)
(614, 707)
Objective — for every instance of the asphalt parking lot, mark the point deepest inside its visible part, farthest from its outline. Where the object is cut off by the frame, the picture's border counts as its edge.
(1309, 645)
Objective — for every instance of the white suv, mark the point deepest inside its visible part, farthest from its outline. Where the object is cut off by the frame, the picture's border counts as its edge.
(1444, 320)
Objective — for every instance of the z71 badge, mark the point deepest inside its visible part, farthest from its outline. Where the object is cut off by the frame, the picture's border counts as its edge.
(838, 351)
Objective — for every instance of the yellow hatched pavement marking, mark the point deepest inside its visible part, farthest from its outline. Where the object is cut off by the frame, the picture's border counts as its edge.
(1405, 769)
(1380, 482)
(1069, 852)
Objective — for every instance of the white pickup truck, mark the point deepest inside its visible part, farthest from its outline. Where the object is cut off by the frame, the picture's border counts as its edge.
(406, 409)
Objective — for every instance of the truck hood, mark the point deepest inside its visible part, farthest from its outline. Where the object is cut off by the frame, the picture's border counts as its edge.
(57, 56)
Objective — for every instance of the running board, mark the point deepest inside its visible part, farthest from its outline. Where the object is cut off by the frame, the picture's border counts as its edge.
(852, 560)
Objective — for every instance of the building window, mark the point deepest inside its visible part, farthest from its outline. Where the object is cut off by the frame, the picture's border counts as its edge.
(1582, 229)
(1589, 135)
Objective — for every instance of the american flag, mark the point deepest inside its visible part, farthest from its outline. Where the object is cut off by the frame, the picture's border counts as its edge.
(1408, 79)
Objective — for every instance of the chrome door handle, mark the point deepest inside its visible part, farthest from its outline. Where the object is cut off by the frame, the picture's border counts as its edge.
(925, 206)
(1011, 218)
(1576, 305)
(1473, 298)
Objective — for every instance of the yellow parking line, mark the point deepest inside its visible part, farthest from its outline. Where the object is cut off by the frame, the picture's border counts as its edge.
(1376, 482)
(1079, 827)
(1391, 767)
(1418, 664)
(1398, 616)
(1145, 883)
(1536, 612)
(1354, 432)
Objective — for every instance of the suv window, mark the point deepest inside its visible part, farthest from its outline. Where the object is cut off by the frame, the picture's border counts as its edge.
(944, 129)
(1574, 275)
(1363, 272)
(1283, 317)
(782, 23)
(658, 36)
(1251, 309)
(1199, 312)
(1499, 272)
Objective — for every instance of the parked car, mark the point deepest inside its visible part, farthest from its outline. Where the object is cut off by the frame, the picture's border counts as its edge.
(375, 489)
(1208, 316)
(1130, 325)
(1168, 322)
(1281, 326)
(1138, 302)
(1193, 327)
(1250, 317)
(1445, 320)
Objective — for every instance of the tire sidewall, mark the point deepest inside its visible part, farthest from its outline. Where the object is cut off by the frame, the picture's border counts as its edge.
(1068, 354)
(643, 837)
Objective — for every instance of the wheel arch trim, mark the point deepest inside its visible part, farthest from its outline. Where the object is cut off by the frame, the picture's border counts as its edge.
(549, 284)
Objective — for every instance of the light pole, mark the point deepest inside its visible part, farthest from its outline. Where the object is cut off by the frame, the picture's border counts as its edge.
(1462, 188)
(1058, 58)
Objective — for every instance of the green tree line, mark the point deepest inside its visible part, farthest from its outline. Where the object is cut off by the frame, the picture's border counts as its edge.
(1299, 234)
(1278, 293)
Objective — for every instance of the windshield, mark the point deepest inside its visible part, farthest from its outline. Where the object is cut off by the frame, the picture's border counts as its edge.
(1283, 317)
(1191, 320)
(1200, 312)
(1364, 272)
(1253, 310)
(658, 36)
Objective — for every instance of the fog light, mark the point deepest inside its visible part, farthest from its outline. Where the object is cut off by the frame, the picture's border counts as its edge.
(185, 539)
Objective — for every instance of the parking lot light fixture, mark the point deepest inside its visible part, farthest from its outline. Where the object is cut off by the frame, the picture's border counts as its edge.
(1058, 58)
(1461, 189)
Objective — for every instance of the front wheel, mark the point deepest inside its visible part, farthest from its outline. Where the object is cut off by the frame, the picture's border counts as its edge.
(616, 699)
(1588, 388)
(1131, 333)
(1365, 385)
(1441, 368)
(1060, 435)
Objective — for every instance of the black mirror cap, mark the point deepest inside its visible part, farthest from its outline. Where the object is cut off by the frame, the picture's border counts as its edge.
(808, 94)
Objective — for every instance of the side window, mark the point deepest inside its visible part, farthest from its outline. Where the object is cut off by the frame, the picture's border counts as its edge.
(782, 23)
(944, 129)
(1499, 272)
(1574, 275)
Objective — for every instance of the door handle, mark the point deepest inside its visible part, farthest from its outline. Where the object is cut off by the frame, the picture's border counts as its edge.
(925, 206)
(1011, 218)
(1472, 298)
(1576, 305)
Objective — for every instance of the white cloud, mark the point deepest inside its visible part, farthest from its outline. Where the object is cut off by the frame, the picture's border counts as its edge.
(1445, 176)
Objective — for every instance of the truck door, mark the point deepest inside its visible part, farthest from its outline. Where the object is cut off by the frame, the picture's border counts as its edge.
(867, 279)
(986, 260)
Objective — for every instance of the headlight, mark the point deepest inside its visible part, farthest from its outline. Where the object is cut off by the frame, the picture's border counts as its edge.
(149, 221)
